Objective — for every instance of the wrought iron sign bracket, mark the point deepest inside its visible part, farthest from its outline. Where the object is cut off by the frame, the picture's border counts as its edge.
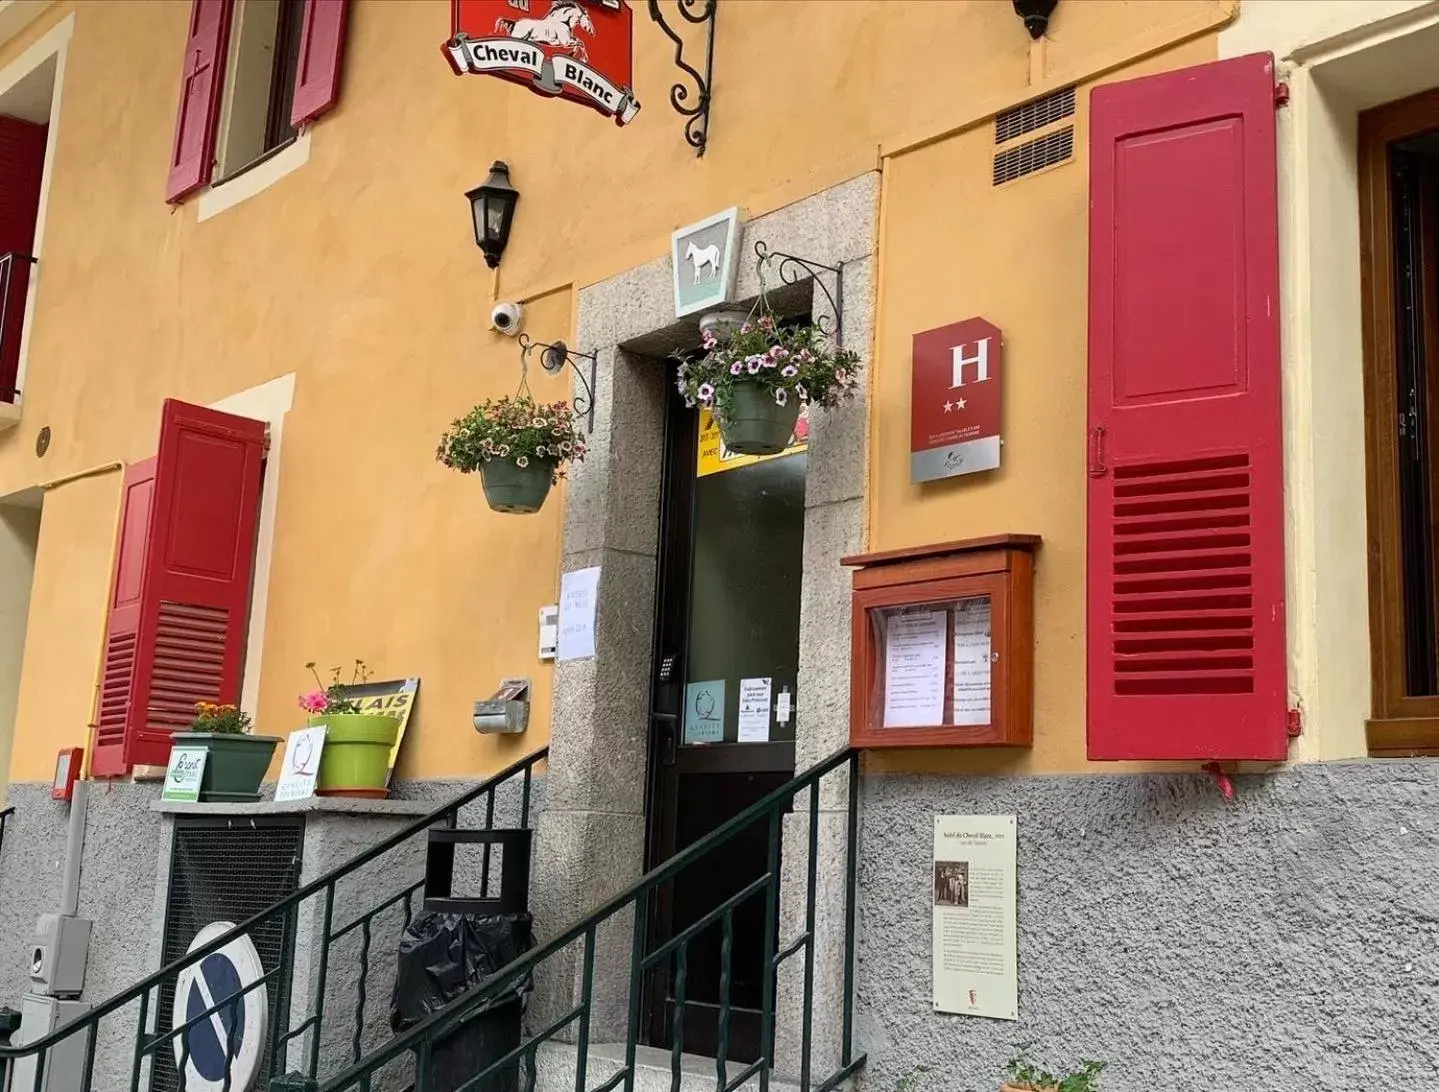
(553, 358)
(697, 12)
(793, 269)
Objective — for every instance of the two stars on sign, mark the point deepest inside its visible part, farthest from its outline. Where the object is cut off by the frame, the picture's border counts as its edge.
(951, 406)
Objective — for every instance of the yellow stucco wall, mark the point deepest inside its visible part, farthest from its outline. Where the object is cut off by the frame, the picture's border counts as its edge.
(358, 273)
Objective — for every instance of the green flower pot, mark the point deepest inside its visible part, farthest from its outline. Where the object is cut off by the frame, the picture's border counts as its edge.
(518, 490)
(755, 424)
(235, 766)
(356, 758)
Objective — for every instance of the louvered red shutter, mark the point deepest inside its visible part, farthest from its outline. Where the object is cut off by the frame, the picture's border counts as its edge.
(322, 50)
(193, 156)
(117, 677)
(1186, 649)
(176, 633)
(22, 164)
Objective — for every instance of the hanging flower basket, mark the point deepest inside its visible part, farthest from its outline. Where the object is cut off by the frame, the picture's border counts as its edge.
(517, 489)
(755, 424)
(756, 378)
(519, 446)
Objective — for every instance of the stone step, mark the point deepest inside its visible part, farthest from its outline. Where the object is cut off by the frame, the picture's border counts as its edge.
(555, 1070)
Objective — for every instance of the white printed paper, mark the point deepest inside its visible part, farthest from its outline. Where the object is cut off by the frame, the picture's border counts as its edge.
(579, 593)
(914, 669)
(972, 661)
(976, 932)
(301, 764)
(754, 706)
(782, 706)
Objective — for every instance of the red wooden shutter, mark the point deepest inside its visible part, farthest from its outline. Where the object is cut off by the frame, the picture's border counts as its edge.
(193, 157)
(182, 584)
(1186, 644)
(22, 164)
(322, 49)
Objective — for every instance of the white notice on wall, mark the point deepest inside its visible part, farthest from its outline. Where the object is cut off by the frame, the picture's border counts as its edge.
(579, 593)
(976, 935)
(971, 661)
(754, 706)
(914, 669)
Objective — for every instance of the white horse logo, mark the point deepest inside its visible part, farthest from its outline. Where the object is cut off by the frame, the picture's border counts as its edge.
(709, 256)
(556, 29)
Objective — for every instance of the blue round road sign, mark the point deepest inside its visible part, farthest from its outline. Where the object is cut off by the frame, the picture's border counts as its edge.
(233, 1035)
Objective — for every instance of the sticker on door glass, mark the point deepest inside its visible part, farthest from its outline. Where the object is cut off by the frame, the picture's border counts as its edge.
(704, 712)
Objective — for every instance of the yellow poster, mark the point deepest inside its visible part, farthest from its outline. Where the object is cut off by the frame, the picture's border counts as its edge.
(715, 457)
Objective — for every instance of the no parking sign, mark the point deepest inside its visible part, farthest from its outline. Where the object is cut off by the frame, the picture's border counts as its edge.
(235, 1032)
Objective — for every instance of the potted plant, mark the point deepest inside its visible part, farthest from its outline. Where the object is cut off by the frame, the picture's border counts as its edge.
(1026, 1076)
(237, 759)
(356, 757)
(518, 445)
(756, 376)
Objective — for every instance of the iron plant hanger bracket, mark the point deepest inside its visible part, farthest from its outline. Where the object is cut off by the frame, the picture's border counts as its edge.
(698, 125)
(553, 358)
(793, 269)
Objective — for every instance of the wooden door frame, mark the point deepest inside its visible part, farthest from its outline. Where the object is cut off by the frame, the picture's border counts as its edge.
(1399, 723)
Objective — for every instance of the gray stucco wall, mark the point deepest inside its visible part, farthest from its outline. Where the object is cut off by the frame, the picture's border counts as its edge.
(1284, 940)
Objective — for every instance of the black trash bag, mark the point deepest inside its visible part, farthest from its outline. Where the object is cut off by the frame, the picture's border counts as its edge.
(443, 955)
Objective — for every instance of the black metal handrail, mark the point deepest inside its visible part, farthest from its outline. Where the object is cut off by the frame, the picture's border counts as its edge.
(5, 814)
(423, 1037)
(8, 263)
(148, 1043)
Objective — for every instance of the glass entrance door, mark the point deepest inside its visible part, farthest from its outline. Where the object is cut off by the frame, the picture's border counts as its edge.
(723, 710)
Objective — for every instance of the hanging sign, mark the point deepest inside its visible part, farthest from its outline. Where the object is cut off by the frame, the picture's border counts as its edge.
(703, 259)
(955, 400)
(576, 49)
(224, 1049)
(714, 457)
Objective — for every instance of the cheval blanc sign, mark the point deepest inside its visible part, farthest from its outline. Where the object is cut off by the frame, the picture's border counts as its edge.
(575, 49)
(955, 400)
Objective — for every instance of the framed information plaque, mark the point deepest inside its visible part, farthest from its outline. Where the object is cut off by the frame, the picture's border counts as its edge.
(942, 644)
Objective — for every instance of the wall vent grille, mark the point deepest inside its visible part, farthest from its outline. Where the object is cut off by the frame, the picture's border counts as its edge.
(1034, 115)
(1033, 155)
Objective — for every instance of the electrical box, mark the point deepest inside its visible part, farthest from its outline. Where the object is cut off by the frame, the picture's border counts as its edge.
(57, 955)
(549, 632)
(65, 1061)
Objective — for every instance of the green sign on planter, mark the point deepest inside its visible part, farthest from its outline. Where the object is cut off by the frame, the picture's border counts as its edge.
(183, 775)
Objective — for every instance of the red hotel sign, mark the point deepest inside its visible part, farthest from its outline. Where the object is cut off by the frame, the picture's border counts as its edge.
(955, 400)
(577, 49)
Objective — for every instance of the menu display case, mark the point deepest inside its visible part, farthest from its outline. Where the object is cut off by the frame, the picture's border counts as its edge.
(942, 644)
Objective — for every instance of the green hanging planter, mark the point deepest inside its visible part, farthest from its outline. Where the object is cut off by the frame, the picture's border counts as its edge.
(356, 758)
(755, 424)
(236, 764)
(518, 490)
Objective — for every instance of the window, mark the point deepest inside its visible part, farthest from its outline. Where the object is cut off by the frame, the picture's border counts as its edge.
(260, 86)
(255, 72)
(1399, 193)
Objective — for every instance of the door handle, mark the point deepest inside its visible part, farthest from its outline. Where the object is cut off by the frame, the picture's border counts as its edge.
(1097, 467)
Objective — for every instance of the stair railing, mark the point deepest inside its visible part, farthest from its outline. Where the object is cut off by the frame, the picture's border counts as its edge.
(115, 1026)
(646, 957)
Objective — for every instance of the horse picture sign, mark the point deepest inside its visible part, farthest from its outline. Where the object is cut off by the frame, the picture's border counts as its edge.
(704, 262)
(574, 49)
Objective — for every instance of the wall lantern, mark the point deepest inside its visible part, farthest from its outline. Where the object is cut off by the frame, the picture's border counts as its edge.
(1035, 14)
(493, 207)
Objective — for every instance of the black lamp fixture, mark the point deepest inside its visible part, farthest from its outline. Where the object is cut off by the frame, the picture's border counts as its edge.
(493, 207)
(1035, 14)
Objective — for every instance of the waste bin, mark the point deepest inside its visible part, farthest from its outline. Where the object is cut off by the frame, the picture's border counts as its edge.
(441, 956)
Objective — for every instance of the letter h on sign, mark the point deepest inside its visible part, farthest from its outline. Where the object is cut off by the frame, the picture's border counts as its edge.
(980, 359)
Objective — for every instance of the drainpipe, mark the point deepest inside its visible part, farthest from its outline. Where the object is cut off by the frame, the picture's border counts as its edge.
(74, 850)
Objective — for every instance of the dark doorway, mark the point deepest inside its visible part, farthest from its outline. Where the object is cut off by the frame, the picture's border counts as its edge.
(726, 632)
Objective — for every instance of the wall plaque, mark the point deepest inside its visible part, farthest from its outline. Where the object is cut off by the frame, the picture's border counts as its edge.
(955, 400)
